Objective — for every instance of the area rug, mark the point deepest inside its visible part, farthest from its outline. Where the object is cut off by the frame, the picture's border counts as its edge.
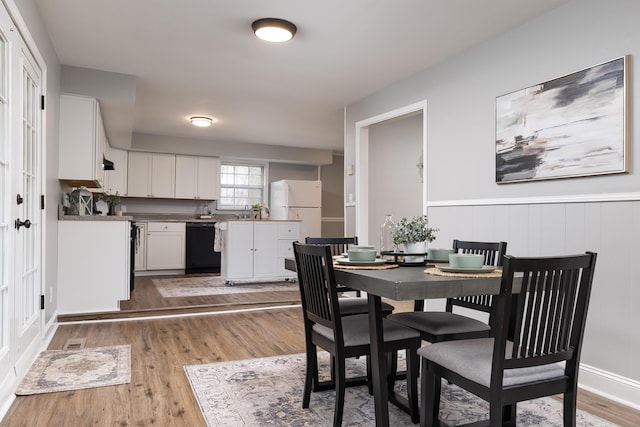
(64, 370)
(268, 392)
(215, 285)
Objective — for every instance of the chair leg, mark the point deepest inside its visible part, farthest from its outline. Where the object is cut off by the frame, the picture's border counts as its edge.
(496, 412)
(413, 365)
(430, 400)
(311, 376)
(569, 404)
(369, 384)
(340, 375)
(392, 367)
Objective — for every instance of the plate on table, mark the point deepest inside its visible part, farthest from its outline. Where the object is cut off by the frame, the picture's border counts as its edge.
(484, 269)
(345, 261)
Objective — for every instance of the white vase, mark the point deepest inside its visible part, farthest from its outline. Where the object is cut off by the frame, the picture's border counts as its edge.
(414, 248)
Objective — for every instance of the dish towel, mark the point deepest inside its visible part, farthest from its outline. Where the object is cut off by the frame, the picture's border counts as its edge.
(217, 238)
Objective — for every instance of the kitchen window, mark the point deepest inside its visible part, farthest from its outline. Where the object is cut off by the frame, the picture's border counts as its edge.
(241, 185)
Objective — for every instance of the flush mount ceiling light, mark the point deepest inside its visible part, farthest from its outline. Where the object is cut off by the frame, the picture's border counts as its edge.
(201, 121)
(274, 29)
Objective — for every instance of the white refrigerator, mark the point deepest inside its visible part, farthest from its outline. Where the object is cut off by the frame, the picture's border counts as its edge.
(297, 199)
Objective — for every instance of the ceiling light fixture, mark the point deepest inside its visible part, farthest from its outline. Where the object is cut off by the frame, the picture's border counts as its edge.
(201, 121)
(274, 29)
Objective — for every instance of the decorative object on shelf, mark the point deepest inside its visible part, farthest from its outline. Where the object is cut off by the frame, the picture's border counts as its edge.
(81, 202)
(412, 235)
(572, 126)
(255, 210)
(112, 201)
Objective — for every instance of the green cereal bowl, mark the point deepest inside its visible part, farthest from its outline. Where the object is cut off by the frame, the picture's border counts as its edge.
(466, 260)
(361, 253)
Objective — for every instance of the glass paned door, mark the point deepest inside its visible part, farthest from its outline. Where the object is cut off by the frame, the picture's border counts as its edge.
(5, 206)
(28, 225)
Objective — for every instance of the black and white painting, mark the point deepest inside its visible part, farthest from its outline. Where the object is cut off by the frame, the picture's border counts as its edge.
(567, 127)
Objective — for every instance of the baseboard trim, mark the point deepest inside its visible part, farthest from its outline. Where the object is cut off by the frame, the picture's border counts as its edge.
(611, 386)
(7, 402)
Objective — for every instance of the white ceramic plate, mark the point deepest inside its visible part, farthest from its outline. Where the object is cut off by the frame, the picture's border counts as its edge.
(345, 261)
(483, 269)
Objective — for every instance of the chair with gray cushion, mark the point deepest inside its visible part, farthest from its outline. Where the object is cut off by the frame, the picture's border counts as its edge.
(438, 326)
(348, 306)
(346, 336)
(540, 318)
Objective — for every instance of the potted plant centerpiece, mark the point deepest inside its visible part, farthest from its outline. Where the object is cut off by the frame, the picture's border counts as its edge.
(112, 201)
(412, 235)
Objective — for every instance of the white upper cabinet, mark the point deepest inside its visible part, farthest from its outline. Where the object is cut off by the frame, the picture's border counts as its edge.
(116, 180)
(82, 142)
(151, 175)
(197, 177)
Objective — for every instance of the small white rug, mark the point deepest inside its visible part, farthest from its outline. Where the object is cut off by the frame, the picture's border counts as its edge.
(268, 392)
(64, 370)
(214, 285)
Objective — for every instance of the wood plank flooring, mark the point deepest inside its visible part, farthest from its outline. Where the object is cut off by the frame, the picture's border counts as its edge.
(160, 394)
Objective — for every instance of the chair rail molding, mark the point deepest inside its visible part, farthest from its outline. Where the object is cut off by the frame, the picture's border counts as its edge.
(538, 200)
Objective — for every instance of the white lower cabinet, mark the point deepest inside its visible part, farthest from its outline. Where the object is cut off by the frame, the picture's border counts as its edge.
(93, 265)
(256, 249)
(165, 245)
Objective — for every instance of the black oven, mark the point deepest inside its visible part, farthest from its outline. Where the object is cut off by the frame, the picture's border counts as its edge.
(200, 256)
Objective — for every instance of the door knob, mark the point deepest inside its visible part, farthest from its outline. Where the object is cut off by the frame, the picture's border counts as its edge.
(26, 223)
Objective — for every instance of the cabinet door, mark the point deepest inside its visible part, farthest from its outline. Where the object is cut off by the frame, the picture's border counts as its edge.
(163, 175)
(138, 172)
(237, 255)
(208, 178)
(141, 248)
(166, 249)
(265, 249)
(186, 171)
(116, 180)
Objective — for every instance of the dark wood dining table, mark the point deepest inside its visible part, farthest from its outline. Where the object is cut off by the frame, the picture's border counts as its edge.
(402, 284)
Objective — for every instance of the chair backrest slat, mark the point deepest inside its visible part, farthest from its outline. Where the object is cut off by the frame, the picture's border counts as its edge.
(338, 245)
(547, 316)
(316, 280)
(493, 255)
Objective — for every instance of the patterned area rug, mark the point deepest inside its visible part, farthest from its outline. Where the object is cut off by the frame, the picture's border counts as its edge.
(268, 391)
(63, 370)
(214, 285)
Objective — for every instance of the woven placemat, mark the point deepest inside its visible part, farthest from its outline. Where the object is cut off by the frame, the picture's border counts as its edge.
(437, 272)
(364, 267)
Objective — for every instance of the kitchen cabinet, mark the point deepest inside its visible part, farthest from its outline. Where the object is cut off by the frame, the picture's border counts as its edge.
(151, 175)
(115, 181)
(197, 177)
(256, 249)
(82, 139)
(165, 245)
(141, 247)
(93, 265)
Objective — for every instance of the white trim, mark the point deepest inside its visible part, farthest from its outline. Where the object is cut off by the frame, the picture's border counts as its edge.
(610, 386)
(332, 219)
(580, 198)
(362, 163)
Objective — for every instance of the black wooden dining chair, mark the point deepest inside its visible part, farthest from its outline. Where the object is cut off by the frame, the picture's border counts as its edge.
(346, 336)
(538, 330)
(348, 306)
(438, 326)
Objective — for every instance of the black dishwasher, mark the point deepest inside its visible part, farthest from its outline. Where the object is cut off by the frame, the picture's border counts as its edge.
(200, 256)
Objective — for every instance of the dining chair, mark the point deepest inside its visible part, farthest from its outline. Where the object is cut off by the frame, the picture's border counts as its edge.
(535, 351)
(349, 306)
(438, 326)
(346, 336)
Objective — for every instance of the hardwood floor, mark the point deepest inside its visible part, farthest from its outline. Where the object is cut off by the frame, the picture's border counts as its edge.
(159, 392)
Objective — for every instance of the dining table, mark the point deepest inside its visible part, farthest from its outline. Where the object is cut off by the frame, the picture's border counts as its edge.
(403, 283)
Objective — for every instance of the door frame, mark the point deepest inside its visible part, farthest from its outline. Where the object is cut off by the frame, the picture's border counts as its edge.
(362, 163)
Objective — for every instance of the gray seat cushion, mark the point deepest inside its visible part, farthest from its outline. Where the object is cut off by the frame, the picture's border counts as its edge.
(356, 331)
(439, 322)
(351, 306)
(472, 360)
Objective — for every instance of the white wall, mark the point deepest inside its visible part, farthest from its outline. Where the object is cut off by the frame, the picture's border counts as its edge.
(597, 213)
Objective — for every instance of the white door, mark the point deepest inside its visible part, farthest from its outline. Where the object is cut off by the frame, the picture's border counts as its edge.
(265, 248)
(28, 224)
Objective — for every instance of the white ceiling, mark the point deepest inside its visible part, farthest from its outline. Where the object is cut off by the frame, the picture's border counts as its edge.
(199, 57)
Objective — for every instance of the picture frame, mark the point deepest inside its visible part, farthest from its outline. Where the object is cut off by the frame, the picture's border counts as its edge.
(571, 126)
